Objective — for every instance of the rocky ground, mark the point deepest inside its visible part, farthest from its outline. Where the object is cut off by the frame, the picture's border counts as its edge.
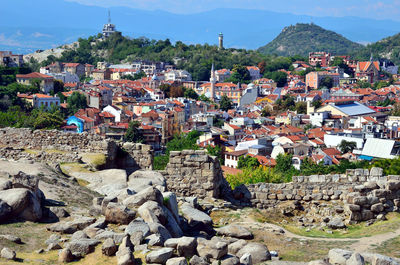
(73, 214)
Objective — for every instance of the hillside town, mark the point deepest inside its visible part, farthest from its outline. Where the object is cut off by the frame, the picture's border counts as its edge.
(121, 150)
(307, 115)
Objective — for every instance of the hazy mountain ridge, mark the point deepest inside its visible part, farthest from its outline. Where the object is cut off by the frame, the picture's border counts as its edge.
(27, 26)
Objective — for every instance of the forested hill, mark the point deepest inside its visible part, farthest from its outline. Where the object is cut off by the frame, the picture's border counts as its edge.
(301, 39)
(196, 59)
(388, 48)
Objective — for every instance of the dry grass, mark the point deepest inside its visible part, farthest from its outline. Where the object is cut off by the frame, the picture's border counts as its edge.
(68, 168)
(352, 231)
(95, 160)
(389, 248)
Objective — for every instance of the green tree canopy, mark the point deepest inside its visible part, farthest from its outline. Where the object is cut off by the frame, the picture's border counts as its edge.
(248, 162)
(134, 134)
(76, 102)
(347, 146)
(225, 103)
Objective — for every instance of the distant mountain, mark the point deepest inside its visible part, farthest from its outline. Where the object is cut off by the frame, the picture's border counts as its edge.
(26, 26)
(388, 48)
(301, 39)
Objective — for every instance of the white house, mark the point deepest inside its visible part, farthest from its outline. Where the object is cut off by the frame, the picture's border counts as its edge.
(232, 158)
(117, 112)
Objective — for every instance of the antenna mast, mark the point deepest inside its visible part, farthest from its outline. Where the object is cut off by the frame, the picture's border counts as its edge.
(109, 17)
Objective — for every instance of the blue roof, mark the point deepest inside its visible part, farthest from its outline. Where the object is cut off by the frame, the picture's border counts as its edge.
(354, 109)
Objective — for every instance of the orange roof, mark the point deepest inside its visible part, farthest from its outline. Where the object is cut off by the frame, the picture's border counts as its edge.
(42, 96)
(34, 75)
(363, 66)
(107, 114)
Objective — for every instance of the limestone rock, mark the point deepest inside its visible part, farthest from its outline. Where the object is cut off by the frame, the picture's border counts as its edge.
(157, 228)
(65, 255)
(236, 231)
(83, 246)
(11, 238)
(355, 259)
(152, 212)
(5, 210)
(60, 212)
(118, 214)
(148, 194)
(24, 203)
(138, 225)
(71, 227)
(336, 223)
(177, 261)
(246, 259)
(383, 260)
(230, 260)
(338, 256)
(7, 253)
(159, 256)
(171, 203)
(214, 248)
(109, 248)
(234, 247)
(195, 216)
(196, 260)
(258, 252)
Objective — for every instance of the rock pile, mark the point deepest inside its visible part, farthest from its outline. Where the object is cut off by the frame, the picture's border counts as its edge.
(165, 228)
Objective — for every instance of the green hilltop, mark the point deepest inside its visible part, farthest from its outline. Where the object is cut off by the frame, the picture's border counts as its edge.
(301, 39)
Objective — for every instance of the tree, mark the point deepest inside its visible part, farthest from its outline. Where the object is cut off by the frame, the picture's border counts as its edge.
(225, 103)
(134, 134)
(204, 98)
(279, 77)
(317, 104)
(338, 61)
(265, 112)
(190, 93)
(239, 74)
(248, 162)
(136, 76)
(347, 146)
(176, 92)
(216, 151)
(284, 163)
(327, 82)
(76, 102)
(301, 107)
(166, 88)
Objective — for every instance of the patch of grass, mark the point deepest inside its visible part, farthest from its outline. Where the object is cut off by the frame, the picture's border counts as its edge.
(389, 248)
(96, 160)
(352, 231)
(68, 168)
(31, 151)
(83, 182)
(55, 151)
(220, 217)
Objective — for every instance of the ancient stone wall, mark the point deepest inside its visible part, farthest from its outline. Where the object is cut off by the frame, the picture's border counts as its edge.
(194, 173)
(53, 146)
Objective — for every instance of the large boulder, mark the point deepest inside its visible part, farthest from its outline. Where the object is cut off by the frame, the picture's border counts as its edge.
(234, 247)
(258, 252)
(236, 231)
(355, 259)
(230, 260)
(152, 212)
(124, 254)
(71, 227)
(185, 246)
(7, 253)
(5, 211)
(159, 256)
(196, 260)
(195, 217)
(378, 259)
(5, 184)
(23, 202)
(172, 225)
(148, 194)
(138, 226)
(83, 246)
(141, 179)
(159, 229)
(170, 201)
(336, 223)
(214, 248)
(339, 256)
(246, 259)
(109, 248)
(177, 261)
(65, 256)
(119, 214)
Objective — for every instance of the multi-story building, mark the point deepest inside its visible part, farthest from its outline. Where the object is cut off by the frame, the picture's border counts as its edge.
(46, 82)
(367, 71)
(313, 79)
(7, 58)
(39, 100)
(321, 58)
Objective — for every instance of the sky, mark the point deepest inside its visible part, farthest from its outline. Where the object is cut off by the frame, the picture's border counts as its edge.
(376, 9)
